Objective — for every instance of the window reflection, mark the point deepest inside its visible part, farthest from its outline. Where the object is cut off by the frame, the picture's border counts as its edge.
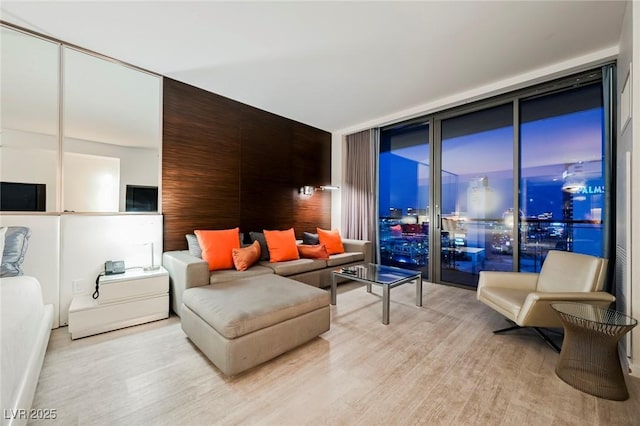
(29, 122)
(112, 122)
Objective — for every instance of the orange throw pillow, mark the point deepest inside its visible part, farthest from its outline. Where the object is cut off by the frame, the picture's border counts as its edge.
(331, 240)
(317, 251)
(244, 257)
(282, 245)
(217, 247)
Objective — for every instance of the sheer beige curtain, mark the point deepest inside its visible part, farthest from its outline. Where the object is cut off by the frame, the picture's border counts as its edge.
(358, 189)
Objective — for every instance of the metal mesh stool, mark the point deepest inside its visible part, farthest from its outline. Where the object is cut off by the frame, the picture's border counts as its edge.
(589, 358)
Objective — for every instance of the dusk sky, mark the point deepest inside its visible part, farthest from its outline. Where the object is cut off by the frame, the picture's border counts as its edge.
(546, 146)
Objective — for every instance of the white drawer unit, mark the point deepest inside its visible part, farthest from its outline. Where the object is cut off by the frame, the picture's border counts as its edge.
(133, 283)
(132, 298)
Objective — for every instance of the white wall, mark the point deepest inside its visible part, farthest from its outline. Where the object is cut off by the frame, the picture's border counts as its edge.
(91, 183)
(42, 259)
(138, 166)
(629, 141)
(87, 241)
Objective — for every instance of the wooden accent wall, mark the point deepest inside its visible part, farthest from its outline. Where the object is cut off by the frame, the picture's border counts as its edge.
(227, 164)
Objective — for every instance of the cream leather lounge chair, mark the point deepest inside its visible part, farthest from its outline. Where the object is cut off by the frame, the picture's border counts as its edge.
(526, 298)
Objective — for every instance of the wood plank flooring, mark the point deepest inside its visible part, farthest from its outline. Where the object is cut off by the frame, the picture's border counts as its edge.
(435, 365)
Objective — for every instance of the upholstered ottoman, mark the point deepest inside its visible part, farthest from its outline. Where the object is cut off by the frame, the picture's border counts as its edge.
(240, 324)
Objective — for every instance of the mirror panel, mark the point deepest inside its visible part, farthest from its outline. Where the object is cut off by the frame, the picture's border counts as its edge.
(29, 122)
(112, 133)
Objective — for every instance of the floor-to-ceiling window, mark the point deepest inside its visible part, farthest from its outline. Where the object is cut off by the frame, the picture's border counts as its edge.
(476, 195)
(562, 175)
(497, 184)
(404, 196)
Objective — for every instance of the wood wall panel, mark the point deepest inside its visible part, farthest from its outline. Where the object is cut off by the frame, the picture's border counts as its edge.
(226, 164)
(309, 152)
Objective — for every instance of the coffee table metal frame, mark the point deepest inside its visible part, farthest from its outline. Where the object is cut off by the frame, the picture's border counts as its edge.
(386, 277)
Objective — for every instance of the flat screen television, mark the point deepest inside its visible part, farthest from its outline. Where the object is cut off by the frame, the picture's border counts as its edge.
(141, 198)
(23, 197)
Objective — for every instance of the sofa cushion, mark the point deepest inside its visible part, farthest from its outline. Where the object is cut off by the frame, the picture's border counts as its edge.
(292, 267)
(193, 245)
(217, 246)
(16, 241)
(282, 245)
(317, 251)
(264, 250)
(344, 258)
(331, 240)
(244, 257)
(310, 238)
(240, 307)
(225, 275)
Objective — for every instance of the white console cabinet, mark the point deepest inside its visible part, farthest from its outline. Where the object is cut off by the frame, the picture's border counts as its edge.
(132, 298)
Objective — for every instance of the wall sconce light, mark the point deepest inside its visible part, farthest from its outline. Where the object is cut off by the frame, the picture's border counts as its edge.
(309, 190)
(306, 190)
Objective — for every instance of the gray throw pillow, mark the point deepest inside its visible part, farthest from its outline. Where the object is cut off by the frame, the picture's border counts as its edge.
(15, 247)
(194, 246)
(264, 250)
(310, 239)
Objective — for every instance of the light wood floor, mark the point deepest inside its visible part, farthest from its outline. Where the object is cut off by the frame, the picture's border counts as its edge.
(435, 365)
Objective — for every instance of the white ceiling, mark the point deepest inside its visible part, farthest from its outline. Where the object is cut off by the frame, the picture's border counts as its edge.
(332, 64)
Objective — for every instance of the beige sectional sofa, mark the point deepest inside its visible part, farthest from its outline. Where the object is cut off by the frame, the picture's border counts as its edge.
(240, 319)
(186, 271)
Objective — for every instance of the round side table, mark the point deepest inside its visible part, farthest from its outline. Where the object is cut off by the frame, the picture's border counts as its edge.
(589, 357)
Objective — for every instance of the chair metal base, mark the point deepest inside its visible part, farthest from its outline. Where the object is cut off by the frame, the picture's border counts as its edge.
(536, 329)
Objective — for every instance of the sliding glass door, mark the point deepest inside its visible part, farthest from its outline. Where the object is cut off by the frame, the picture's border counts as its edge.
(476, 194)
(404, 188)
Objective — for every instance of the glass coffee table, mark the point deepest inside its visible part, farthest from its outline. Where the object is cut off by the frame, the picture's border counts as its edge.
(386, 277)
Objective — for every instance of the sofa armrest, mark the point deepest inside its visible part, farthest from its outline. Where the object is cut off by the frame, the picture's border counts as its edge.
(359, 246)
(185, 271)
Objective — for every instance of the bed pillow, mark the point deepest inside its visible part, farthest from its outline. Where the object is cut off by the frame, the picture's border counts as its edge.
(16, 240)
(331, 240)
(244, 257)
(317, 251)
(282, 245)
(217, 247)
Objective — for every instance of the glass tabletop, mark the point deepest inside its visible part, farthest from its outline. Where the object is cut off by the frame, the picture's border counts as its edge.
(378, 274)
(592, 313)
